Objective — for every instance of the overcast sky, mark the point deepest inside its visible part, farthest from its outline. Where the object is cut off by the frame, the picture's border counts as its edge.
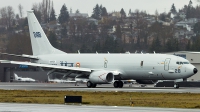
(86, 6)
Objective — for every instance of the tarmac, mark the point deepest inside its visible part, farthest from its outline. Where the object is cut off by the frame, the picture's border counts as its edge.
(103, 87)
(19, 107)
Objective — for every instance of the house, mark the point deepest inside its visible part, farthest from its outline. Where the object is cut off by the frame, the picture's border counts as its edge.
(78, 15)
(92, 20)
(188, 24)
(184, 34)
(116, 14)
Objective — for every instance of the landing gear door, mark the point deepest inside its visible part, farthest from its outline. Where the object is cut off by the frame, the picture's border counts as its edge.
(166, 65)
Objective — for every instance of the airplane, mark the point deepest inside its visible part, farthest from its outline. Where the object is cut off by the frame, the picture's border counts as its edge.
(100, 68)
(20, 79)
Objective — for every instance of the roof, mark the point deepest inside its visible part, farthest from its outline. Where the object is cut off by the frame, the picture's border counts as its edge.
(78, 14)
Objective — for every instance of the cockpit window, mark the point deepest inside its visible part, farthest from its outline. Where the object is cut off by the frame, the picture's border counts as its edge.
(181, 63)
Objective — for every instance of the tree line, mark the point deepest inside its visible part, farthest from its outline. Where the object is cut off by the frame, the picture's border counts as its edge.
(79, 34)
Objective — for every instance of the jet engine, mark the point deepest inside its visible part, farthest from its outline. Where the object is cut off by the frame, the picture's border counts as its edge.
(146, 81)
(101, 77)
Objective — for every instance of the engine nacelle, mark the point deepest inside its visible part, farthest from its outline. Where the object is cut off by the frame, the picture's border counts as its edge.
(146, 81)
(101, 77)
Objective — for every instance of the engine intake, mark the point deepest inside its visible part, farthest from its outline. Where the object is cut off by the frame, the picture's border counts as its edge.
(101, 77)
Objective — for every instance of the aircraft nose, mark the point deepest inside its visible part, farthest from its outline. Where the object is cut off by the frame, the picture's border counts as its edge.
(195, 70)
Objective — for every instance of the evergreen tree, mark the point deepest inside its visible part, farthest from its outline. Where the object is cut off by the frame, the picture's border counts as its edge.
(173, 9)
(97, 47)
(175, 44)
(118, 32)
(96, 12)
(64, 15)
(53, 39)
(156, 45)
(197, 28)
(162, 17)
(196, 43)
(123, 14)
(100, 8)
(189, 10)
(188, 47)
(108, 45)
(52, 14)
(77, 11)
(84, 49)
(129, 11)
(168, 46)
(64, 31)
(104, 12)
(70, 10)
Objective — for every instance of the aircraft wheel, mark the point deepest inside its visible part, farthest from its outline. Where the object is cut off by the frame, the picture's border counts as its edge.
(116, 84)
(89, 84)
(94, 85)
(176, 86)
(120, 84)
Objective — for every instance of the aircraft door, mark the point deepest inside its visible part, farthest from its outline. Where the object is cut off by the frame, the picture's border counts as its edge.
(166, 65)
(185, 69)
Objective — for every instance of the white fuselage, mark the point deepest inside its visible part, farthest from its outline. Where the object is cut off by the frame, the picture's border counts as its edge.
(130, 66)
(20, 79)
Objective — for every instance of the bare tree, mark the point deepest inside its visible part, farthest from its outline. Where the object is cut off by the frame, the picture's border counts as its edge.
(20, 7)
(3, 16)
(11, 15)
(44, 8)
(7, 15)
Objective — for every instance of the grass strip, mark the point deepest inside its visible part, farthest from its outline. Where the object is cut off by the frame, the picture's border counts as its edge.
(168, 100)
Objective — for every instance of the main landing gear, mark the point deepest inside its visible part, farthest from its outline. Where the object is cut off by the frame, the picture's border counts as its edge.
(118, 84)
(176, 86)
(91, 85)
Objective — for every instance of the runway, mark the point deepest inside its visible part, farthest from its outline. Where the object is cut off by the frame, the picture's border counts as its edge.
(104, 88)
(19, 107)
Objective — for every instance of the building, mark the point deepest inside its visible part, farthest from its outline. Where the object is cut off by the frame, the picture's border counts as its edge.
(7, 71)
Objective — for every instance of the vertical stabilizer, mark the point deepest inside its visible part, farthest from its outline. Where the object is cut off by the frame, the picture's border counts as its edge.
(39, 41)
(15, 76)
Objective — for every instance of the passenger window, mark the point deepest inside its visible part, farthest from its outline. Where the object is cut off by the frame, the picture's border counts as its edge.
(141, 64)
(186, 62)
(177, 63)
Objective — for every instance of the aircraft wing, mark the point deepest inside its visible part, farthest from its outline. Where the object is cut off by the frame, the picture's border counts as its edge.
(50, 66)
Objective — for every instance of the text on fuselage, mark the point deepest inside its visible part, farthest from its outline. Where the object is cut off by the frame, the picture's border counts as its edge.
(64, 63)
(37, 34)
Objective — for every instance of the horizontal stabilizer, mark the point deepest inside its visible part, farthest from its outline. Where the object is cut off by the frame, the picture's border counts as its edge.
(23, 56)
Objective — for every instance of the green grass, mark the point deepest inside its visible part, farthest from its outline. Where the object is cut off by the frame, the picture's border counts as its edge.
(171, 100)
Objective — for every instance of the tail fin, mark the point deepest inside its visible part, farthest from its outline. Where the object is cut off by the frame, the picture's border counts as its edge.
(15, 76)
(39, 41)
